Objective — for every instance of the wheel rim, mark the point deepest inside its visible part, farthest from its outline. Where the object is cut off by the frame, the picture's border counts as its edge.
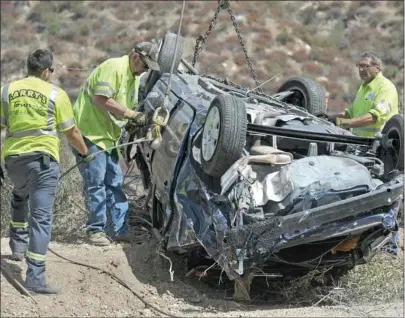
(297, 98)
(211, 133)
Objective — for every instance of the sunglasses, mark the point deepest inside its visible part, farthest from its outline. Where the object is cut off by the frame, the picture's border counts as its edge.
(364, 66)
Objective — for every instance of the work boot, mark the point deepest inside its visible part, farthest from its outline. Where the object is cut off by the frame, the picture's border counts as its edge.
(17, 256)
(123, 238)
(47, 289)
(99, 239)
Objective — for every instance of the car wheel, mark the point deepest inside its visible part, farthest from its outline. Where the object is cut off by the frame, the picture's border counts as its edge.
(307, 94)
(224, 134)
(394, 158)
(165, 58)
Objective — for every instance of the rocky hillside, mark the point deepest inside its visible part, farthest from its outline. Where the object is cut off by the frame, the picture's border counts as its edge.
(320, 39)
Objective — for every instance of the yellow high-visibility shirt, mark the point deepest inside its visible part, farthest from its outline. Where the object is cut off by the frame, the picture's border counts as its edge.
(33, 111)
(112, 78)
(379, 98)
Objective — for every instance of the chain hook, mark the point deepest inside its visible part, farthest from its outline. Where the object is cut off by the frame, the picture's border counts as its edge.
(224, 4)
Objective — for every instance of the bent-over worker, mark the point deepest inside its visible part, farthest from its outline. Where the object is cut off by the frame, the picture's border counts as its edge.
(102, 108)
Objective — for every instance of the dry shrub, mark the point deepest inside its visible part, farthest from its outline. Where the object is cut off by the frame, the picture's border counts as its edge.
(99, 5)
(6, 190)
(239, 59)
(192, 5)
(336, 104)
(277, 56)
(218, 59)
(147, 25)
(289, 71)
(232, 39)
(69, 209)
(277, 13)
(334, 87)
(70, 80)
(126, 10)
(329, 55)
(9, 13)
(263, 38)
(111, 45)
(313, 68)
(21, 37)
(274, 68)
(300, 55)
(252, 17)
(262, 73)
(13, 61)
(328, 5)
(322, 55)
(77, 32)
(284, 37)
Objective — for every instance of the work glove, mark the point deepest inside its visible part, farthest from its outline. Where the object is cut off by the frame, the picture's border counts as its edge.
(343, 122)
(87, 157)
(1, 176)
(324, 116)
(138, 118)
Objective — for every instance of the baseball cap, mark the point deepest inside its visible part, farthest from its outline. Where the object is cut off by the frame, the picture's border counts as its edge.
(149, 53)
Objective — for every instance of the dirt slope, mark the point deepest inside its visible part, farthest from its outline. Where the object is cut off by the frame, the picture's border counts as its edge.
(89, 293)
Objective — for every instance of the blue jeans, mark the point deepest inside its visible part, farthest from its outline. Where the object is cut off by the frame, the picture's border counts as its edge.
(35, 182)
(102, 183)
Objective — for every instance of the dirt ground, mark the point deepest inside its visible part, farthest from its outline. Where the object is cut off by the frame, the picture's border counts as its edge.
(91, 293)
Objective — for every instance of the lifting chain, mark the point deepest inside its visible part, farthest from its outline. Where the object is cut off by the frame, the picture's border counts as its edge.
(202, 38)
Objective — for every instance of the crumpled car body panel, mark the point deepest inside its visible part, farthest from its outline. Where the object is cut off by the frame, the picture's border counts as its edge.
(325, 197)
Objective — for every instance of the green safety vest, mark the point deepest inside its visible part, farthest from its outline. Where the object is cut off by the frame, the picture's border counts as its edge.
(379, 98)
(113, 79)
(33, 111)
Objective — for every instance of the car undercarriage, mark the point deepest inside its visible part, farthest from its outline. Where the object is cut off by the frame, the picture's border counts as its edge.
(255, 185)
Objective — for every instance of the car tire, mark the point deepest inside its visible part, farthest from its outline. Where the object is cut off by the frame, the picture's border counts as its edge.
(165, 58)
(223, 135)
(394, 129)
(308, 94)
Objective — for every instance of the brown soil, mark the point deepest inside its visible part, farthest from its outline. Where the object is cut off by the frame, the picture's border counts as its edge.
(87, 292)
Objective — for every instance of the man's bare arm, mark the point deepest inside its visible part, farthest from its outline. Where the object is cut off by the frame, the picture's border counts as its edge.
(76, 140)
(363, 120)
(109, 104)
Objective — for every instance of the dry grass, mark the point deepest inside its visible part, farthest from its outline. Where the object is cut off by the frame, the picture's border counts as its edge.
(380, 281)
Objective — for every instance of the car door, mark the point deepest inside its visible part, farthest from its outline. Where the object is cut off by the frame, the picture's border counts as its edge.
(165, 158)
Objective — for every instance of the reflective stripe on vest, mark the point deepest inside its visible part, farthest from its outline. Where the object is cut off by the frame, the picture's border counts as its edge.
(34, 132)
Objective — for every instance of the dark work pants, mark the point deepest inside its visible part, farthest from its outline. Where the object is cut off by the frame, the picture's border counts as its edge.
(35, 180)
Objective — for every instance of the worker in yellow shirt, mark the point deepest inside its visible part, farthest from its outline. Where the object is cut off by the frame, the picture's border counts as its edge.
(102, 108)
(33, 111)
(376, 100)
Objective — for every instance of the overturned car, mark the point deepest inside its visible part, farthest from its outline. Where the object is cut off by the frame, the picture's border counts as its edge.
(256, 184)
